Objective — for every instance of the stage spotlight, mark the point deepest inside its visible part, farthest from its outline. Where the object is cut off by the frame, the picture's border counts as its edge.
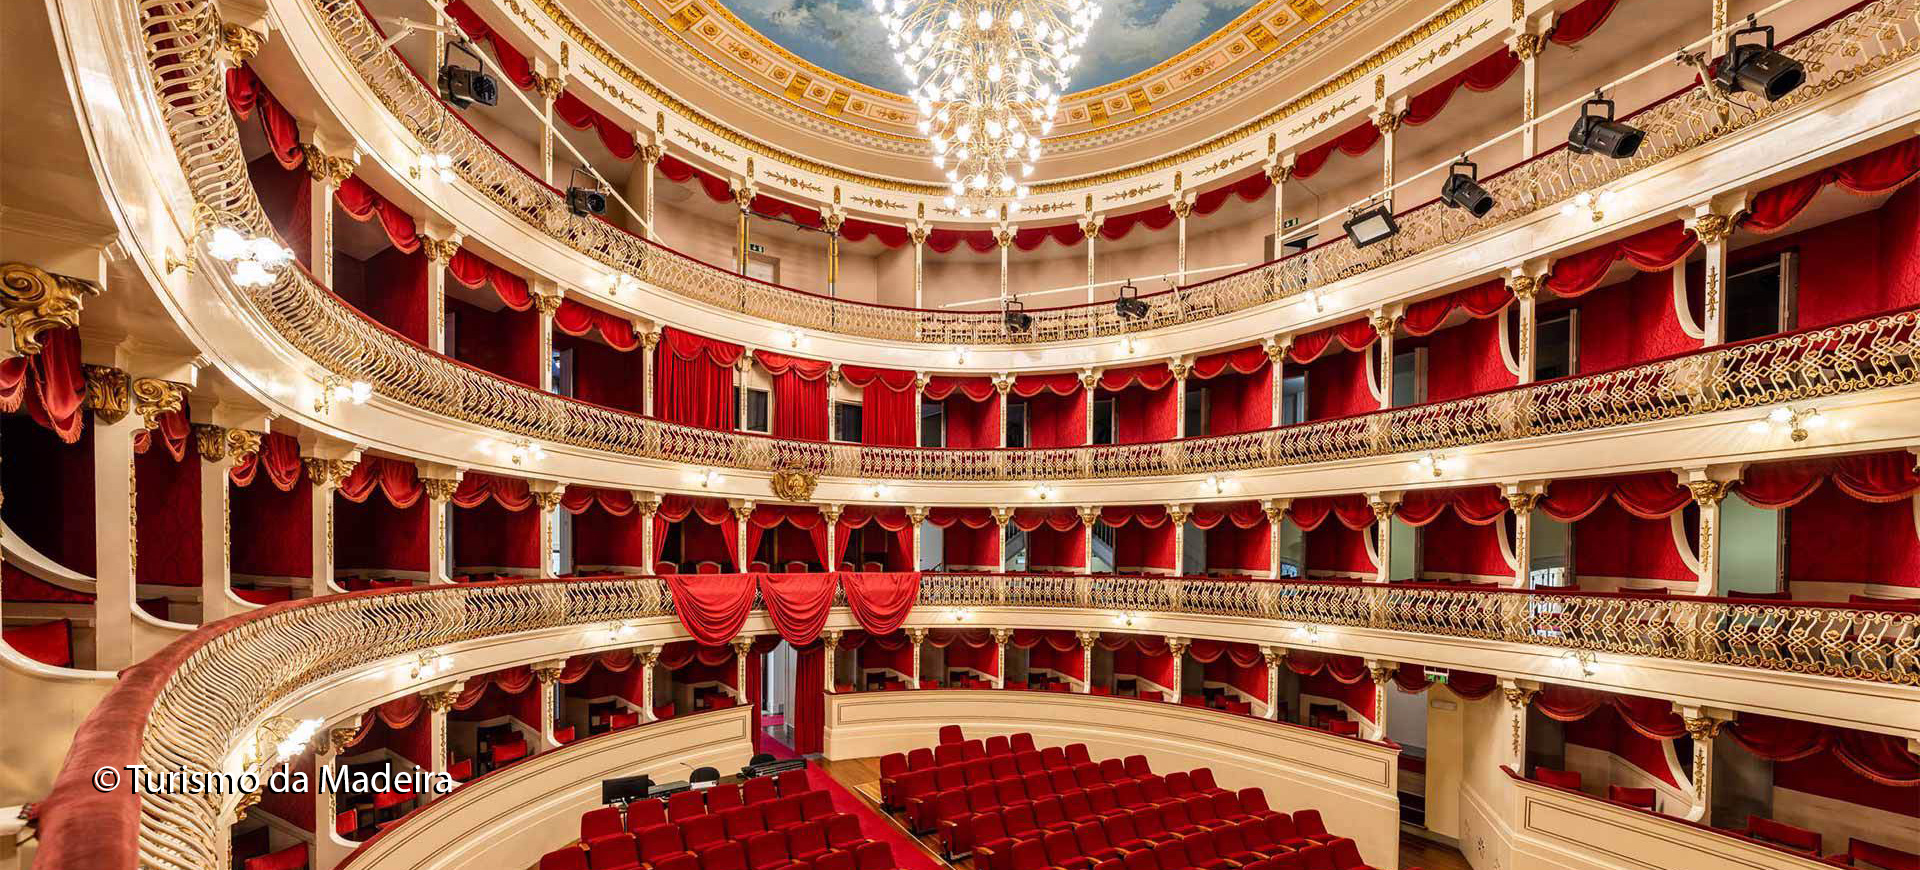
(1014, 315)
(1462, 189)
(1129, 306)
(583, 201)
(1757, 68)
(1375, 224)
(462, 86)
(1593, 134)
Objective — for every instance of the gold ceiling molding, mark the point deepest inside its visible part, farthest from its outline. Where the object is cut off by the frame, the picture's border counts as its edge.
(572, 30)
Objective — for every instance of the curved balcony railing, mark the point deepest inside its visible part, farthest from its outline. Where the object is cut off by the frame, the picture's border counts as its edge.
(195, 705)
(1837, 52)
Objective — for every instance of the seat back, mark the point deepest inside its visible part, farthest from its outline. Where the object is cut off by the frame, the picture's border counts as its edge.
(950, 734)
(1798, 839)
(793, 782)
(1203, 779)
(686, 805)
(743, 822)
(843, 831)
(724, 856)
(1018, 819)
(816, 804)
(1022, 742)
(1077, 754)
(612, 853)
(807, 838)
(759, 790)
(948, 754)
(766, 850)
(1091, 837)
(1003, 766)
(569, 858)
(1317, 857)
(1061, 847)
(830, 861)
(1308, 823)
(1180, 783)
(1028, 855)
(1633, 797)
(602, 822)
(1112, 770)
(999, 745)
(873, 856)
(1560, 778)
(919, 759)
(1136, 766)
(702, 832)
(1142, 859)
(1253, 801)
(1876, 855)
(1171, 853)
(723, 796)
(893, 764)
(784, 811)
(1047, 811)
(974, 749)
(1073, 803)
(1346, 853)
(660, 841)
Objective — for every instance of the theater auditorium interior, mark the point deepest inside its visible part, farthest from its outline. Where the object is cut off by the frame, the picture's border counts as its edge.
(960, 435)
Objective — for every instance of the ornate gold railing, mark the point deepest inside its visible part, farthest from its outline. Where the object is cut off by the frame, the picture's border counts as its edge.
(194, 706)
(1858, 44)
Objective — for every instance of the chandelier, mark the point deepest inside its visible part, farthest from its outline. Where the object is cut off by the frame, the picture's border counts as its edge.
(987, 76)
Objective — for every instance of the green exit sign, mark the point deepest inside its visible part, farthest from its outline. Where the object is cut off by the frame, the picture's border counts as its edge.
(1289, 223)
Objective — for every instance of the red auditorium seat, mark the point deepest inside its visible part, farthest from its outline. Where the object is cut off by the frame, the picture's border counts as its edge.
(702, 833)
(835, 861)
(665, 568)
(1560, 778)
(1344, 727)
(892, 766)
(743, 822)
(603, 822)
(973, 750)
(843, 832)
(686, 805)
(1103, 802)
(722, 797)
(793, 782)
(783, 814)
(1203, 781)
(660, 843)
(1063, 852)
(1861, 853)
(872, 567)
(1092, 839)
(1003, 766)
(760, 789)
(563, 736)
(1642, 798)
(1049, 815)
(1075, 805)
(707, 568)
(1203, 851)
(808, 842)
(874, 856)
(613, 853)
(1317, 857)
(950, 734)
(817, 806)
(1230, 843)
(619, 721)
(1781, 834)
(569, 858)
(1206, 811)
(1022, 742)
(1141, 860)
(1137, 767)
(991, 843)
(1253, 802)
(1346, 855)
(920, 759)
(642, 815)
(1180, 783)
(796, 567)
(462, 770)
(1312, 827)
(1020, 823)
(759, 566)
(768, 851)
(948, 754)
(724, 856)
(998, 744)
(1172, 853)
(1028, 855)
(1286, 832)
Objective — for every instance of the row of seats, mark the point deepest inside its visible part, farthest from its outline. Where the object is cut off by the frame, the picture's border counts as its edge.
(1251, 844)
(1180, 815)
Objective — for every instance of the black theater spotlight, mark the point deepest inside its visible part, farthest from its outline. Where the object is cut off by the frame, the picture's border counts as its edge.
(584, 201)
(1593, 134)
(1755, 67)
(1129, 306)
(1372, 224)
(1014, 314)
(462, 86)
(1462, 189)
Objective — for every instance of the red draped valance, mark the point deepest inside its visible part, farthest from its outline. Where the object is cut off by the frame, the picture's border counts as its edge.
(1059, 384)
(50, 385)
(512, 60)
(1488, 73)
(1148, 516)
(1353, 511)
(943, 241)
(473, 271)
(398, 478)
(1152, 376)
(939, 387)
(245, 93)
(778, 364)
(1481, 300)
(576, 319)
(1869, 174)
(972, 518)
(679, 171)
(476, 488)
(1244, 361)
(577, 114)
(1650, 496)
(1059, 519)
(1477, 505)
(1245, 655)
(1243, 514)
(857, 230)
(1352, 335)
(362, 203)
(1652, 250)
(279, 454)
(617, 502)
(1871, 477)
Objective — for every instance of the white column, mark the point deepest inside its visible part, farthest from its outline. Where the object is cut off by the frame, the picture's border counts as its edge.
(1519, 693)
(740, 368)
(919, 236)
(1276, 511)
(546, 300)
(1388, 120)
(651, 340)
(916, 636)
(916, 515)
(1703, 725)
(546, 499)
(1279, 173)
(1002, 385)
(833, 380)
(1714, 223)
(741, 511)
(1526, 44)
(1177, 647)
(743, 198)
(1001, 516)
(113, 520)
(1090, 227)
(326, 171)
(1089, 514)
(439, 481)
(1277, 359)
(647, 660)
(1005, 239)
(1384, 325)
(216, 518)
(1709, 485)
(549, 88)
(1382, 504)
(831, 222)
(548, 673)
(1087, 640)
(1180, 367)
(647, 504)
(830, 644)
(1000, 638)
(830, 514)
(1521, 498)
(1177, 520)
(325, 474)
(1273, 656)
(742, 648)
(439, 243)
(1382, 674)
(640, 184)
(439, 702)
(1523, 286)
(1089, 384)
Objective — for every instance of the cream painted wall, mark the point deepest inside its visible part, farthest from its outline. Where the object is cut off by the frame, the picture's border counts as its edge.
(1446, 759)
(1485, 792)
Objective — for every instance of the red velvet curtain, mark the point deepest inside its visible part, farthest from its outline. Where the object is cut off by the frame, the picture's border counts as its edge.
(1144, 539)
(1487, 74)
(712, 606)
(606, 528)
(797, 603)
(711, 536)
(881, 601)
(49, 384)
(679, 171)
(245, 93)
(396, 292)
(799, 395)
(1632, 322)
(1869, 174)
(890, 414)
(1237, 538)
(1652, 250)
(900, 555)
(802, 517)
(810, 699)
(1337, 387)
(1239, 390)
(576, 319)
(577, 114)
(512, 60)
(971, 408)
(473, 272)
(972, 538)
(605, 375)
(1056, 539)
(286, 195)
(693, 380)
(362, 203)
(504, 342)
(1056, 409)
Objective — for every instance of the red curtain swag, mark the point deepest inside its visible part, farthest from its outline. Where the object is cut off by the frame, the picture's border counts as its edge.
(1878, 478)
(1869, 174)
(1481, 300)
(890, 519)
(362, 203)
(804, 518)
(1244, 361)
(1059, 519)
(810, 699)
(693, 380)
(474, 271)
(1153, 376)
(945, 240)
(978, 389)
(245, 93)
(881, 601)
(1468, 685)
(798, 604)
(617, 502)
(1352, 511)
(49, 385)
(712, 606)
(279, 454)
(799, 395)
(776, 209)
(1878, 757)
(1487, 74)
(1649, 496)
(857, 230)
(682, 653)
(1353, 143)
(890, 413)
(1654, 250)
(397, 478)
(577, 114)
(576, 319)
(1653, 718)
(1352, 335)
(1242, 514)
(680, 171)
(477, 488)
(512, 60)
(1476, 505)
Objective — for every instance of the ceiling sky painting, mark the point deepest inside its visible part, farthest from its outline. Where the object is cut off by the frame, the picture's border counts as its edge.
(845, 37)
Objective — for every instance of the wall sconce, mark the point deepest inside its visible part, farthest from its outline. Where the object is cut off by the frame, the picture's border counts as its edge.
(1308, 631)
(1593, 205)
(429, 664)
(1127, 619)
(623, 630)
(1128, 347)
(961, 615)
(1436, 464)
(1318, 299)
(1581, 659)
(1214, 484)
(296, 740)
(708, 479)
(337, 389)
(621, 281)
(960, 355)
(792, 338)
(523, 452)
(254, 260)
(877, 491)
(1041, 491)
(1797, 423)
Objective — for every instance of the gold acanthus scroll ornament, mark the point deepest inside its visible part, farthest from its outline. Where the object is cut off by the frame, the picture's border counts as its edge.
(793, 484)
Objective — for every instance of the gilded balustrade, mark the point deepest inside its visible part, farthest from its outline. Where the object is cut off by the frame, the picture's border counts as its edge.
(1858, 44)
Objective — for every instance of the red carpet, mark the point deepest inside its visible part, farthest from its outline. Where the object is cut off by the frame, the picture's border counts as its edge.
(771, 745)
(907, 854)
